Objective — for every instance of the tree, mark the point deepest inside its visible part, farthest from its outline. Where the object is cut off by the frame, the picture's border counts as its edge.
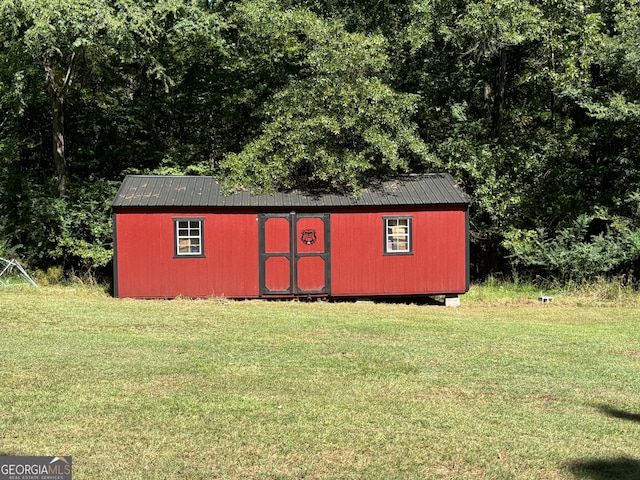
(611, 99)
(90, 66)
(58, 41)
(532, 106)
(330, 121)
(503, 84)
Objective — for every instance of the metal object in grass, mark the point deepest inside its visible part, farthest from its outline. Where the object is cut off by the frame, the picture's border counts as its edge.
(10, 267)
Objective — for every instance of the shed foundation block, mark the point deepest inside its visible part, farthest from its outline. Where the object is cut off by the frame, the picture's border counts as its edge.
(451, 300)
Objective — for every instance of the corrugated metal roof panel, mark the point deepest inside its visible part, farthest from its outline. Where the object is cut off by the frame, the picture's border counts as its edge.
(173, 191)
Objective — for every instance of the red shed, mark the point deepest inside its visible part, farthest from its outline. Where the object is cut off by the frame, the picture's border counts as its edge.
(183, 236)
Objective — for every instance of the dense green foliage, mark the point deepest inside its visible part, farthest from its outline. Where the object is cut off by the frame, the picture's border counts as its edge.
(533, 106)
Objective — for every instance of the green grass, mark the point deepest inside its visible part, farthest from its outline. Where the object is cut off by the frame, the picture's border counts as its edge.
(214, 389)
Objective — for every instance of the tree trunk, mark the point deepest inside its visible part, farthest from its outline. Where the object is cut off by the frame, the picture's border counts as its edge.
(58, 86)
(497, 120)
(59, 160)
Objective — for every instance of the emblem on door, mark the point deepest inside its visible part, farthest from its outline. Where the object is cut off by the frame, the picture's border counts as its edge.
(308, 237)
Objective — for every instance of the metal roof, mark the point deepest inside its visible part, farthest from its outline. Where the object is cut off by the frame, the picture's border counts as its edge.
(205, 192)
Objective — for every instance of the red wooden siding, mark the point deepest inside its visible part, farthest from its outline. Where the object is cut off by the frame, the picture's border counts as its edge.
(436, 266)
(146, 266)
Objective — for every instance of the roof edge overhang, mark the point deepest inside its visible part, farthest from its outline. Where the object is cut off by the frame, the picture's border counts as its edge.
(281, 209)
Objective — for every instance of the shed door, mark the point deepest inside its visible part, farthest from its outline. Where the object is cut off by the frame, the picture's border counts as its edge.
(294, 254)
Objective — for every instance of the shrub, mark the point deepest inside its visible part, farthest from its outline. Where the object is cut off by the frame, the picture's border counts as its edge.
(74, 232)
(577, 253)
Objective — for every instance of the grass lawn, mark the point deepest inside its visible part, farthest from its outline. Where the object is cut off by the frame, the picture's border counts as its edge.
(211, 389)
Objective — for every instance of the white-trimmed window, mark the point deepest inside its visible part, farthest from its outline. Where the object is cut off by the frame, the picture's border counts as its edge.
(397, 235)
(189, 237)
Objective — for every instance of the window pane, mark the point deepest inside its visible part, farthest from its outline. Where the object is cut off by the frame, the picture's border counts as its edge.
(184, 246)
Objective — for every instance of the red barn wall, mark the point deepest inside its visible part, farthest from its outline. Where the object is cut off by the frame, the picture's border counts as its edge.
(146, 266)
(438, 264)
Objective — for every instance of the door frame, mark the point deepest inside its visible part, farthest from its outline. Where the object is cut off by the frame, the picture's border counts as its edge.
(293, 255)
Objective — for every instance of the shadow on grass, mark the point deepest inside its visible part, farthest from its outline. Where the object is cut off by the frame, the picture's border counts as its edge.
(397, 300)
(622, 468)
(621, 414)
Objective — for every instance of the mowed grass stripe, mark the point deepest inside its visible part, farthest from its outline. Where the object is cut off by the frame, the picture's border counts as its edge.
(217, 389)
